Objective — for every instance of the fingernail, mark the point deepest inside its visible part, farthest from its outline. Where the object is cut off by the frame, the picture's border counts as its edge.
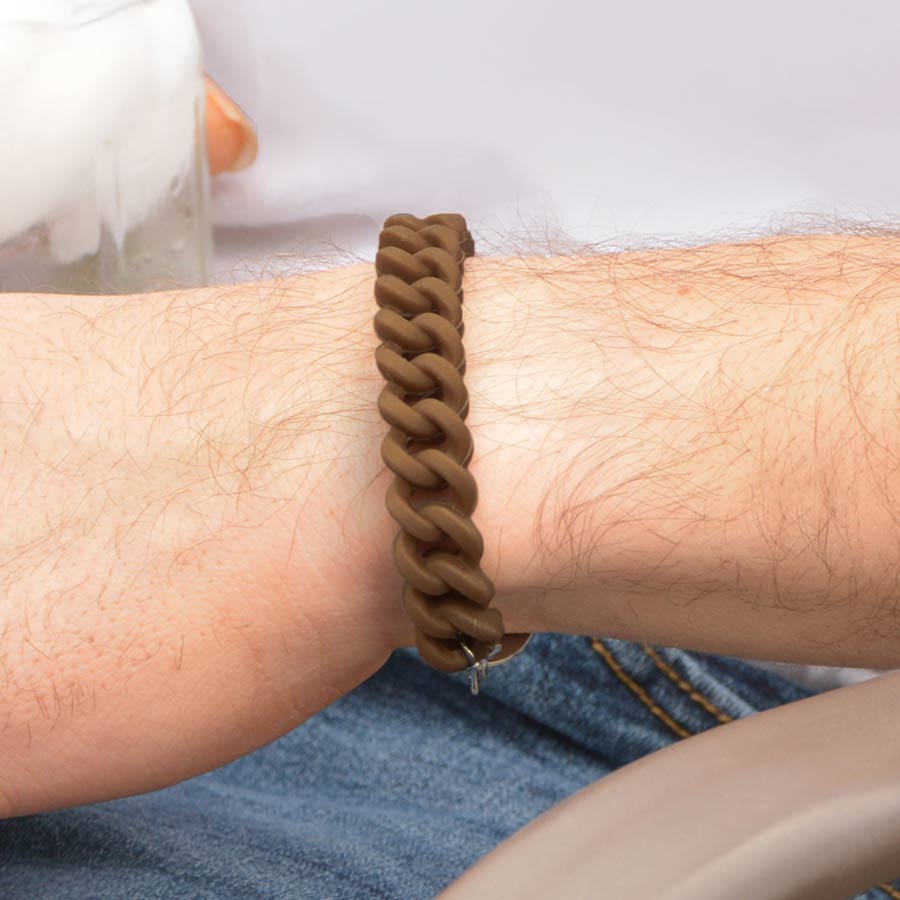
(249, 141)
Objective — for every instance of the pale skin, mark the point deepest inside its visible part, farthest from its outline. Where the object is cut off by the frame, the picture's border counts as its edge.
(691, 447)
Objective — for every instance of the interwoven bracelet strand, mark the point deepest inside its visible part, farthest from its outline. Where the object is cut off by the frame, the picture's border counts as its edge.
(438, 549)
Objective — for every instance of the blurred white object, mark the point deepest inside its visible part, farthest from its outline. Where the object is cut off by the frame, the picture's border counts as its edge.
(103, 169)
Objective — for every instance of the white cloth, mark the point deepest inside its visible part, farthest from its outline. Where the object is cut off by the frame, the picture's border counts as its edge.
(608, 122)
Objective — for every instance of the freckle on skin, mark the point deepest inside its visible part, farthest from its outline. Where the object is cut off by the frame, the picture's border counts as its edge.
(683, 290)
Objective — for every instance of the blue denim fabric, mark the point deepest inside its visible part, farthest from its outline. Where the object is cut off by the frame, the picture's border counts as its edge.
(398, 788)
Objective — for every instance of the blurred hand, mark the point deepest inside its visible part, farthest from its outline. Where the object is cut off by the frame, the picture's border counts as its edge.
(231, 137)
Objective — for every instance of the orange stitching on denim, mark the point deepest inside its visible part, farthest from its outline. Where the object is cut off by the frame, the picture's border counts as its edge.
(687, 687)
(636, 689)
(890, 891)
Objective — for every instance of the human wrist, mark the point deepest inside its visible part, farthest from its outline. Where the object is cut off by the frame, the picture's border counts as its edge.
(173, 582)
(624, 410)
(308, 431)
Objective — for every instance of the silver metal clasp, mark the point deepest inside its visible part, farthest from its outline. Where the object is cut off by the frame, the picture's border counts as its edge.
(478, 668)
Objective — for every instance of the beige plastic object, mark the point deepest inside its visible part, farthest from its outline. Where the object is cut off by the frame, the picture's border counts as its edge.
(798, 802)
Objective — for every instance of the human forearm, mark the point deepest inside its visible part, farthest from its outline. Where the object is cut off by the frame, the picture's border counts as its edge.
(695, 447)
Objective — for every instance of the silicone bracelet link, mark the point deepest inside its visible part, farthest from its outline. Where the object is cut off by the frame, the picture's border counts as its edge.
(438, 550)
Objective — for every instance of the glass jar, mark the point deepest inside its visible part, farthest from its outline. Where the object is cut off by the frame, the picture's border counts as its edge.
(104, 183)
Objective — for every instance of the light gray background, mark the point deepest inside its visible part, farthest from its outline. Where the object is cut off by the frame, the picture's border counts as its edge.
(603, 120)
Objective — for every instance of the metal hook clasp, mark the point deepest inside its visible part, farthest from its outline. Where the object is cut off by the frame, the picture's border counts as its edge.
(478, 668)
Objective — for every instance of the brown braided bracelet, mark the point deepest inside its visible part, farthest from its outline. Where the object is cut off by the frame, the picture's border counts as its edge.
(438, 550)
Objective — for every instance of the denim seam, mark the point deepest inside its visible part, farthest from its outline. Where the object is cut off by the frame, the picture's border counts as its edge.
(617, 669)
(686, 686)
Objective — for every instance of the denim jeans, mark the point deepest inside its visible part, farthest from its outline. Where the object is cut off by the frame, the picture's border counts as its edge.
(396, 789)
